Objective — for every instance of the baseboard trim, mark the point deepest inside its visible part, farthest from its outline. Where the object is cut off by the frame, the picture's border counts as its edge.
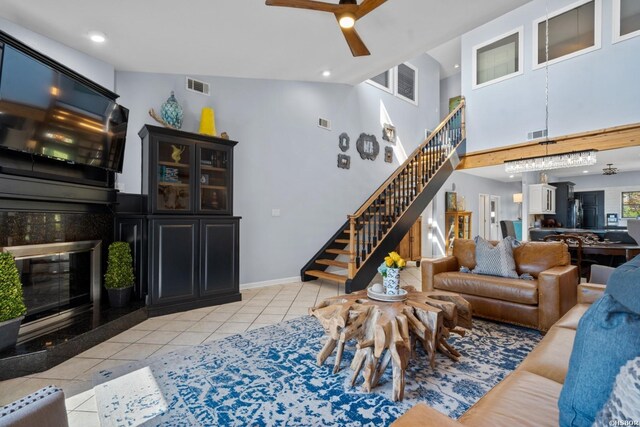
(265, 283)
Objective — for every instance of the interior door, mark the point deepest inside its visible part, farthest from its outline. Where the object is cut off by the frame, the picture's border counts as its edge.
(494, 218)
(484, 217)
(592, 208)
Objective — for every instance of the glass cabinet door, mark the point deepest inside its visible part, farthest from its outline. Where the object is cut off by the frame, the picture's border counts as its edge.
(174, 177)
(214, 180)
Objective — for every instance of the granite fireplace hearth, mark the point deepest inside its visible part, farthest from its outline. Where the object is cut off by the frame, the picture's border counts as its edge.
(59, 233)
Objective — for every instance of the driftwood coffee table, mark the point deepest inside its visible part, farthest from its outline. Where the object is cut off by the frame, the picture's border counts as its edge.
(427, 317)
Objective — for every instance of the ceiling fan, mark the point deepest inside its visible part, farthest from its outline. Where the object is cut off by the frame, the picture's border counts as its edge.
(347, 12)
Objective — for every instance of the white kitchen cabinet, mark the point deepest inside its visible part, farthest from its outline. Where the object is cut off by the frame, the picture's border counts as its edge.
(542, 199)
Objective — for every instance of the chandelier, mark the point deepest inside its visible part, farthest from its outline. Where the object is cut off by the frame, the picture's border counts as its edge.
(609, 170)
(554, 161)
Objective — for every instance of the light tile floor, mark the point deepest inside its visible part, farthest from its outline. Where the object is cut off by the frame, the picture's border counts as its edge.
(158, 335)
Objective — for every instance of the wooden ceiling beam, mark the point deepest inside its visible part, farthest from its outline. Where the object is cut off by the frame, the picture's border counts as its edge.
(601, 140)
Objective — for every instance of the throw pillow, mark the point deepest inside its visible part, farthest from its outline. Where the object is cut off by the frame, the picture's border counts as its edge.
(608, 335)
(623, 405)
(495, 260)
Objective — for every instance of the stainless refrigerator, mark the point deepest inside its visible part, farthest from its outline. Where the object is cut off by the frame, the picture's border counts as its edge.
(574, 214)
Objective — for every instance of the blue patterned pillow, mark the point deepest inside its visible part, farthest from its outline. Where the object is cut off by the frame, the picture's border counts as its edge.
(495, 260)
(608, 336)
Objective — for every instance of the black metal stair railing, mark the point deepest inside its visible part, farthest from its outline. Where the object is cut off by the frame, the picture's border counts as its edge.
(369, 225)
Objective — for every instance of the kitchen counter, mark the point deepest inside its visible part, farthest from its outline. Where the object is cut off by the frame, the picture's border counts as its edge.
(580, 230)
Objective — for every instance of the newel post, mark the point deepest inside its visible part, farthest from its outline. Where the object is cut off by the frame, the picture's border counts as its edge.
(352, 247)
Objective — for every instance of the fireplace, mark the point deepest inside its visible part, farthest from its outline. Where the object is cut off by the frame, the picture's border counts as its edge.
(59, 281)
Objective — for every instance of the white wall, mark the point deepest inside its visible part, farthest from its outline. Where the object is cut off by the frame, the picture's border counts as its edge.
(592, 91)
(92, 68)
(470, 187)
(283, 160)
(613, 187)
(449, 88)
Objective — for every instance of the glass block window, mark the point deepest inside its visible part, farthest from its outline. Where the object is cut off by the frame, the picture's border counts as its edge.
(626, 19)
(498, 59)
(631, 204)
(407, 82)
(572, 31)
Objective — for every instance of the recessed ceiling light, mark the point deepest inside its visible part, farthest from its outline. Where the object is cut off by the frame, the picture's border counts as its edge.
(585, 171)
(97, 37)
(511, 176)
(326, 73)
(456, 66)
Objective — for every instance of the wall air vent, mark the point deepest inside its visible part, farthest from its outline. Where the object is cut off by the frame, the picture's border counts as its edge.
(197, 86)
(324, 123)
(537, 134)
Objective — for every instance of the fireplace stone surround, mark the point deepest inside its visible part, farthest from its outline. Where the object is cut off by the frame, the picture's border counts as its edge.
(39, 212)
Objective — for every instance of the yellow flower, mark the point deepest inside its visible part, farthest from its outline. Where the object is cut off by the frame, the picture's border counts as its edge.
(401, 263)
(394, 256)
(388, 261)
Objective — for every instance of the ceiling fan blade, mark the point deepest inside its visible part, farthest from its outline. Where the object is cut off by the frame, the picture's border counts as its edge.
(355, 42)
(308, 4)
(367, 6)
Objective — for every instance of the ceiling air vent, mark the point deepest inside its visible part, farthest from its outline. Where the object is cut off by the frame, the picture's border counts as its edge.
(324, 123)
(537, 134)
(197, 86)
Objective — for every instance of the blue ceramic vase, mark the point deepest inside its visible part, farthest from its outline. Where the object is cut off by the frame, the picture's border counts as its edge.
(171, 112)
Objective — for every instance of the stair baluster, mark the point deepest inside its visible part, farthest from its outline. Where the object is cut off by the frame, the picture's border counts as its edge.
(380, 223)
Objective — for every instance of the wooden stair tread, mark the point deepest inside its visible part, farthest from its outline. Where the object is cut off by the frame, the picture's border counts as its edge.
(338, 251)
(332, 262)
(328, 276)
(345, 241)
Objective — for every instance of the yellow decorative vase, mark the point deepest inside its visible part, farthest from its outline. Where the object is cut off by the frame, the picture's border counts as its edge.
(208, 122)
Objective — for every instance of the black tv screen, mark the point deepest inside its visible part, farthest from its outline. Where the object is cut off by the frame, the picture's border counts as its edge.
(48, 113)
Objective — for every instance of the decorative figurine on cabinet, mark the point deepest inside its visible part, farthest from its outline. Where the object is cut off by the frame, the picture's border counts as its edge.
(176, 154)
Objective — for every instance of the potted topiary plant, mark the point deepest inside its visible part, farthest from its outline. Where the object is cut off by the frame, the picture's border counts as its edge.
(12, 308)
(119, 277)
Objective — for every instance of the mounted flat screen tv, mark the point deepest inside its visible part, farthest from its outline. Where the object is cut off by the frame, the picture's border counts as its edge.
(49, 113)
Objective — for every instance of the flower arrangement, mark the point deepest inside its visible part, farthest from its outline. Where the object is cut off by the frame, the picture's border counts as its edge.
(393, 260)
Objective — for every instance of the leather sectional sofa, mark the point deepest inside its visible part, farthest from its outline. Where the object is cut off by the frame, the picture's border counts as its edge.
(529, 395)
(536, 303)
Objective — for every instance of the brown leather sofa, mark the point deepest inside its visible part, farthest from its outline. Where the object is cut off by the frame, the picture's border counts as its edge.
(529, 395)
(537, 303)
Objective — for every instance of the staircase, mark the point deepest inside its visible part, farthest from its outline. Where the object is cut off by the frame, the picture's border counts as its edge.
(378, 226)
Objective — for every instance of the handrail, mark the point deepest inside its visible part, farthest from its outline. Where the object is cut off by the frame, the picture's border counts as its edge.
(377, 216)
(410, 158)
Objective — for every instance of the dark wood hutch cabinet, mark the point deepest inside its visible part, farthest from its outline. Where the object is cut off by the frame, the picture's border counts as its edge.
(186, 234)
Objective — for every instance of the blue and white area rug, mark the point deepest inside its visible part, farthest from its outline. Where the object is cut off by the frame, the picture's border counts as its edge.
(269, 377)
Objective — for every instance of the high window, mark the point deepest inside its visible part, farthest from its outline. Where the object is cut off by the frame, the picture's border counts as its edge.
(498, 59)
(383, 81)
(626, 19)
(401, 81)
(573, 30)
(407, 82)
